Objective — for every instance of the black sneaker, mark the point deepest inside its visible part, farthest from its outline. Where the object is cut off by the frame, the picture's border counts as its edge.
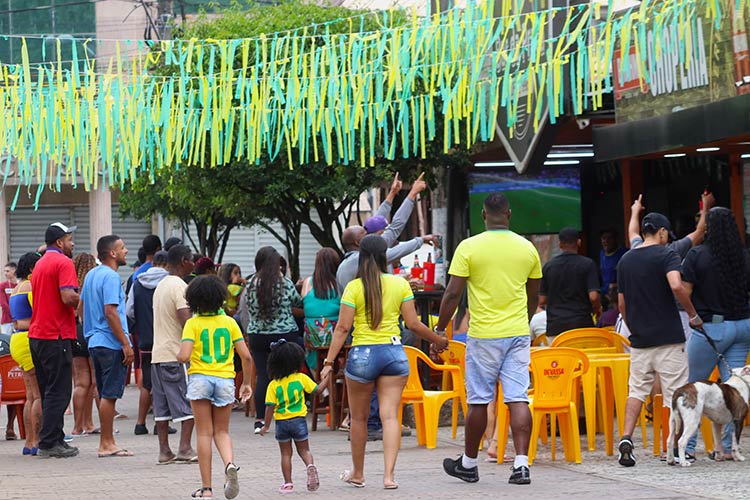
(58, 451)
(258, 427)
(455, 469)
(140, 429)
(520, 475)
(170, 430)
(689, 457)
(627, 457)
(374, 435)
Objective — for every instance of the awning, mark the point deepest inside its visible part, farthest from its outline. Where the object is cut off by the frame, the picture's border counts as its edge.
(694, 126)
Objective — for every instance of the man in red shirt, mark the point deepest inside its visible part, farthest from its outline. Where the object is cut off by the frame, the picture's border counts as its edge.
(53, 326)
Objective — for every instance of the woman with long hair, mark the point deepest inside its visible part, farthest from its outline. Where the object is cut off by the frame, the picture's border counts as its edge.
(717, 274)
(377, 361)
(84, 383)
(321, 300)
(20, 303)
(270, 299)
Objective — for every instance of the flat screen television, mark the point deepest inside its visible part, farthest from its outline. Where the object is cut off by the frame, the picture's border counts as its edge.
(542, 203)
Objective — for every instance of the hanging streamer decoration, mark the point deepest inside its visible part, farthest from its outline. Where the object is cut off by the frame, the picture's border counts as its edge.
(320, 97)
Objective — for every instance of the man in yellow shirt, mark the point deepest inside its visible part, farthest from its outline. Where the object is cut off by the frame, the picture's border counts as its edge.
(502, 270)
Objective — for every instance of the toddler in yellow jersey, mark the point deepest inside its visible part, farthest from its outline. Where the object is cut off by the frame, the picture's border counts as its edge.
(285, 402)
(209, 340)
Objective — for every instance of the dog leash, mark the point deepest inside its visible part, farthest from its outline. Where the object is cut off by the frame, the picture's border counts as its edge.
(719, 355)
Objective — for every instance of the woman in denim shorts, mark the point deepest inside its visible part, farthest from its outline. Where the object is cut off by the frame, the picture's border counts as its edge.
(377, 361)
(209, 340)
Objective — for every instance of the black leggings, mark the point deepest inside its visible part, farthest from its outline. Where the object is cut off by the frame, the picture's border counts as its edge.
(260, 347)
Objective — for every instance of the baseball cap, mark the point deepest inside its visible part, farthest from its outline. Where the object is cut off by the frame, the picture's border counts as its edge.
(204, 264)
(375, 224)
(57, 230)
(657, 221)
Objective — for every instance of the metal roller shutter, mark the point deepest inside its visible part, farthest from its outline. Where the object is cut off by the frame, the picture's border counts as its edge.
(132, 232)
(27, 227)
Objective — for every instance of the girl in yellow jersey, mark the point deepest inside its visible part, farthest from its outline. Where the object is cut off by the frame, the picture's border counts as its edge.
(209, 340)
(285, 402)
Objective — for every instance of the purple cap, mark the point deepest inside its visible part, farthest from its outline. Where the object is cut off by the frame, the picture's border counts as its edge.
(375, 224)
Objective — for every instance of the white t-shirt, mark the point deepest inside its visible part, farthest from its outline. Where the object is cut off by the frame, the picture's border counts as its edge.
(538, 324)
(169, 297)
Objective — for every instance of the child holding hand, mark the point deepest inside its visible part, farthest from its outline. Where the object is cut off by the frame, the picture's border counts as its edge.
(285, 402)
(209, 340)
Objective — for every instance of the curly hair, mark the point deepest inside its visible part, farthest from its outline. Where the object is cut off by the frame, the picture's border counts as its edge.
(285, 359)
(83, 262)
(26, 264)
(206, 294)
(728, 257)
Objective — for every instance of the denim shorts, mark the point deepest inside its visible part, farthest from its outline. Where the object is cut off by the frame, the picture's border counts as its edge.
(220, 391)
(110, 372)
(489, 361)
(292, 429)
(368, 362)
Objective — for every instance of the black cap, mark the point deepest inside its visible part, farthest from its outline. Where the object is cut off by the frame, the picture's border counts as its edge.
(57, 230)
(172, 242)
(657, 221)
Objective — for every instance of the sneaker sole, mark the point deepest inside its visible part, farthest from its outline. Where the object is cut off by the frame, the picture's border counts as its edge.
(231, 485)
(313, 482)
(521, 481)
(626, 455)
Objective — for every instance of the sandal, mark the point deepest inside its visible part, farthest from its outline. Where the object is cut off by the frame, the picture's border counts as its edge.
(286, 488)
(313, 482)
(199, 493)
(346, 476)
(231, 484)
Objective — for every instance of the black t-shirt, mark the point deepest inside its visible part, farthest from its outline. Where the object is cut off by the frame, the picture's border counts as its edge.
(650, 310)
(708, 300)
(566, 282)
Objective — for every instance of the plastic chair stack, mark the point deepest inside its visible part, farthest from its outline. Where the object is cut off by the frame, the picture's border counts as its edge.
(427, 404)
(555, 373)
(13, 391)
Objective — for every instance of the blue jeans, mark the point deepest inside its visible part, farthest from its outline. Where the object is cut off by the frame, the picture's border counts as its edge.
(732, 339)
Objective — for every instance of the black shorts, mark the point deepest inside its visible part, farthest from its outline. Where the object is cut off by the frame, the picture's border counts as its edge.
(80, 346)
(146, 370)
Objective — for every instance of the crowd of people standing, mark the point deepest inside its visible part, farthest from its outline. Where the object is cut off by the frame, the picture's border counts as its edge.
(207, 340)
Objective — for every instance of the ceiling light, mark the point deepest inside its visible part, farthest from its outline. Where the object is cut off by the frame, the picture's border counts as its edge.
(746, 142)
(582, 154)
(674, 155)
(562, 162)
(567, 146)
(745, 156)
(490, 164)
(706, 150)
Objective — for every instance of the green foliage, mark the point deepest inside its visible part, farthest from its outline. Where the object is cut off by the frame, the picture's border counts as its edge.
(315, 195)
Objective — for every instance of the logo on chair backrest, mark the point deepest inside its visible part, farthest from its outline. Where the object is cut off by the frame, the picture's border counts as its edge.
(553, 371)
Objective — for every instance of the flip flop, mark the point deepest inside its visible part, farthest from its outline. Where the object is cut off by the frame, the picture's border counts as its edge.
(286, 488)
(393, 486)
(185, 460)
(346, 476)
(172, 460)
(81, 434)
(313, 482)
(97, 430)
(118, 453)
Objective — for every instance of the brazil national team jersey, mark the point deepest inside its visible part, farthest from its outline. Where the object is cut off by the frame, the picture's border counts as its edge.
(288, 395)
(213, 340)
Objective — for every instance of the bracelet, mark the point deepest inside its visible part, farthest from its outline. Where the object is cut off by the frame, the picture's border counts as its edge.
(439, 332)
(697, 316)
(327, 362)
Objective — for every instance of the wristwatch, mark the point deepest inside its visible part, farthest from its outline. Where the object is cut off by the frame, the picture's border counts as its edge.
(326, 362)
(439, 332)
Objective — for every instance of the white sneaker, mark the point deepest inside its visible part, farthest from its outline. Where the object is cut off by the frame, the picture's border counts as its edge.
(258, 427)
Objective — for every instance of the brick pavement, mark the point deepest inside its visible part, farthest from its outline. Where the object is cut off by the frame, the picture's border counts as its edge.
(419, 472)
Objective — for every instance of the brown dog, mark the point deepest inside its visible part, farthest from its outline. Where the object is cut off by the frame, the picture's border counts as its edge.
(721, 403)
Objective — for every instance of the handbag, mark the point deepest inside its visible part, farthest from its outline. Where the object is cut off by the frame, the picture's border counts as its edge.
(319, 332)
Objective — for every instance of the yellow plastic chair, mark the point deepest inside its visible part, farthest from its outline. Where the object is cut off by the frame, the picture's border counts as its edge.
(555, 373)
(540, 340)
(591, 338)
(427, 404)
(455, 355)
(448, 329)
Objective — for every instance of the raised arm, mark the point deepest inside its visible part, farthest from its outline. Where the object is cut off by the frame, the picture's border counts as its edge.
(696, 237)
(634, 226)
(400, 219)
